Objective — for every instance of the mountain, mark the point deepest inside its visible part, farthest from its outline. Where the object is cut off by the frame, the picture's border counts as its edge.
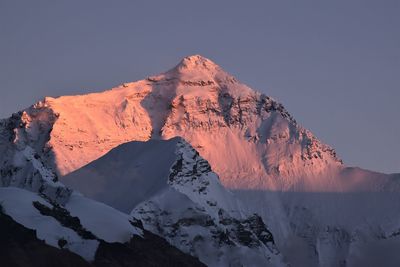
(172, 190)
(319, 211)
(196, 100)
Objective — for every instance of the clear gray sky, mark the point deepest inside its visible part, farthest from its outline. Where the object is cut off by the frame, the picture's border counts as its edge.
(335, 65)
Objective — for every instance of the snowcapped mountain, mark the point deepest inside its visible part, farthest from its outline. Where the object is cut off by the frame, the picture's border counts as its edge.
(196, 100)
(319, 211)
(180, 199)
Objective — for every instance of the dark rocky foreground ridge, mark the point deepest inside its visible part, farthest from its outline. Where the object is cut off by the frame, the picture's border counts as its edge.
(20, 247)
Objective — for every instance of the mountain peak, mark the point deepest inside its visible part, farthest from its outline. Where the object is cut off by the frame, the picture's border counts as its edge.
(195, 62)
(197, 67)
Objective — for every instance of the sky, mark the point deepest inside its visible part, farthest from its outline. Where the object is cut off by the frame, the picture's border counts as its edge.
(335, 65)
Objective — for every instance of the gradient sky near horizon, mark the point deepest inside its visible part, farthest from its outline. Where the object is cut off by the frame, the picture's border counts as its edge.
(335, 65)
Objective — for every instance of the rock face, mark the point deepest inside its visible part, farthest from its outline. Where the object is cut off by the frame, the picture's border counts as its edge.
(320, 212)
(23, 164)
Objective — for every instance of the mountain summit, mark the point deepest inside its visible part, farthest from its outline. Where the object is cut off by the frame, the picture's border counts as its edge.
(196, 63)
(199, 68)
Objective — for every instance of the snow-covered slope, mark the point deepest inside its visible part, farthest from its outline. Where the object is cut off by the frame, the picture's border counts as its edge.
(175, 194)
(25, 208)
(127, 175)
(19, 246)
(254, 145)
(37, 232)
(78, 226)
